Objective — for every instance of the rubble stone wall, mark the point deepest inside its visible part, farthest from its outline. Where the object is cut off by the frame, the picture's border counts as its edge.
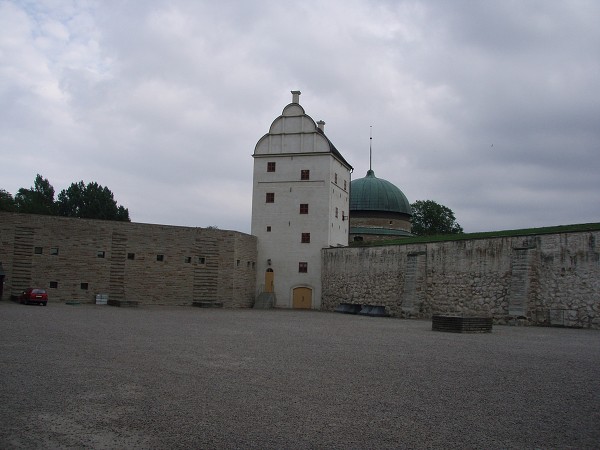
(547, 279)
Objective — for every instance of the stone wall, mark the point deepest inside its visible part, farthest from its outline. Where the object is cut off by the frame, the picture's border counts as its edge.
(389, 221)
(75, 259)
(547, 279)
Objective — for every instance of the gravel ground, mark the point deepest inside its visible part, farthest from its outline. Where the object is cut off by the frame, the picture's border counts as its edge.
(182, 377)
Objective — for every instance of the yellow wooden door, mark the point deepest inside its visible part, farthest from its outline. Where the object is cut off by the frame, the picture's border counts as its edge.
(302, 298)
(269, 280)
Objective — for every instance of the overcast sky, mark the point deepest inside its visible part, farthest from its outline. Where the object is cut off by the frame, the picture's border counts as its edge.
(491, 108)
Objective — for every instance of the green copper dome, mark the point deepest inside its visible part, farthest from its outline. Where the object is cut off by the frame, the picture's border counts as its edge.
(375, 194)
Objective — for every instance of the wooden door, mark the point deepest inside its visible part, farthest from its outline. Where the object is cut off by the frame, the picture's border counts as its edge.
(302, 298)
(269, 280)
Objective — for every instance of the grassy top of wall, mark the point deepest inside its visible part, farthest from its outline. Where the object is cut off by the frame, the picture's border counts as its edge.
(483, 235)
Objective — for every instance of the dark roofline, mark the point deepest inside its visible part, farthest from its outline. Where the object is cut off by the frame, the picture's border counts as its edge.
(334, 150)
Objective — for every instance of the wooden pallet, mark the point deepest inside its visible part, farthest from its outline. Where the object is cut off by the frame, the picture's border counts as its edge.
(459, 324)
(208, 304)
(122, 303)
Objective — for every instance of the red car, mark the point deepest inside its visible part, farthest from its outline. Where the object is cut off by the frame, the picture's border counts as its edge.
(34, 295)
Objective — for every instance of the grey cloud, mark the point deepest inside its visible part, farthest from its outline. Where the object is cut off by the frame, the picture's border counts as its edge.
(164, 101)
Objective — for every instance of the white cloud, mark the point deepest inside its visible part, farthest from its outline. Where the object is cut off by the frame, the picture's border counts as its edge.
(163, 102)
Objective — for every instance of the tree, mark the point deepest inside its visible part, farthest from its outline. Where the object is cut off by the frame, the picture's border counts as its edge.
(91, 201)
(36, 200)
(430, 218)
(7, 202)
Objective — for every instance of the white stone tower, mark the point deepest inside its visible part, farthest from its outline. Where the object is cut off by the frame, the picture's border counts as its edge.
(300, 204)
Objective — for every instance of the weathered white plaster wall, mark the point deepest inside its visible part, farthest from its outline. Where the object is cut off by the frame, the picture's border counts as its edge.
(295, 143)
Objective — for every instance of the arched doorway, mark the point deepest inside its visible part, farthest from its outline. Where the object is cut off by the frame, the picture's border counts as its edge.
(302, 298)
(269, 280)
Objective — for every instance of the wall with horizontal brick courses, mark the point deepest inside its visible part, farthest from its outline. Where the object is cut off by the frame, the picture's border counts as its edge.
(390, 222)
(180, 278)
(549, 279)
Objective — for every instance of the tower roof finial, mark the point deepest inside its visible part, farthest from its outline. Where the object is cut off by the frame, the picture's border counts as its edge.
(370, 147)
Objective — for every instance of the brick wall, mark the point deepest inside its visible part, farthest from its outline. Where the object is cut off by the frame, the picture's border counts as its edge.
(151, 264)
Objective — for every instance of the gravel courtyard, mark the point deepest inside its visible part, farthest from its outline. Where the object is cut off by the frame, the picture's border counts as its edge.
(92, 376)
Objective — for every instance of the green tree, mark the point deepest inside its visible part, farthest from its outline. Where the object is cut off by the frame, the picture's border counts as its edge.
(91, 201)
(36, 200)
(7, 202)
(430, 218)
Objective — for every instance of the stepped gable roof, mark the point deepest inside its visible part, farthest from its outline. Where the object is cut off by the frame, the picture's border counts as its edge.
(292, 122)
(376, 194)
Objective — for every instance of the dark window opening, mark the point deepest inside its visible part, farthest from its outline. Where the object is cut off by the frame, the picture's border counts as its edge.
(53, 284)
(38, 250)
(305, 174)
(237, 263)
(84, 286)
(303, 208)
(130, 255)
(101, 254)
(270, 167)
(270, 197)
(358, 238)
(303, 267)
(54, 251)
(201, 260)
(335, 178)
(268, 228)
(305, 238)
(160, 257)
(336, 212)
(188, 259)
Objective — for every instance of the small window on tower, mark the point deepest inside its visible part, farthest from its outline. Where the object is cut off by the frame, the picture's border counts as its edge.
(305, 174)
(336, 212)
(305, 238)
(270, 197)
(270, 167)
(345, 184)
(268, 228)
(335, 178)
(303, 267)
(303, 208)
